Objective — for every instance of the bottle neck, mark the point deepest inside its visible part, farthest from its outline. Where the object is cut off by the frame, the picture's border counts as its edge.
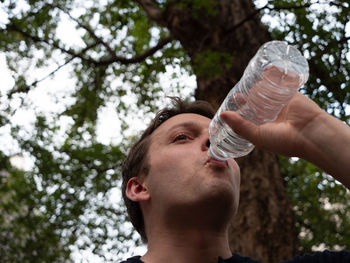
(212, 153)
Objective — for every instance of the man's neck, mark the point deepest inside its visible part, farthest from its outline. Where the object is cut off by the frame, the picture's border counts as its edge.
(190, 246)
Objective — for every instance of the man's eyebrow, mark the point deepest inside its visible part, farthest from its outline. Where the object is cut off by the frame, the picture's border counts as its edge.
(187, 125)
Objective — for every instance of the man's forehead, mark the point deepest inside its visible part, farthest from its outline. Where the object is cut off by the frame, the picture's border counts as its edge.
(183, 120)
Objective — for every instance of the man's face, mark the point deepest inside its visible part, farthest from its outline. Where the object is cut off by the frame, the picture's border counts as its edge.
(182, 175)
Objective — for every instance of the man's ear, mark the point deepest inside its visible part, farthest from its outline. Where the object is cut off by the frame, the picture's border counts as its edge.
(136, 190)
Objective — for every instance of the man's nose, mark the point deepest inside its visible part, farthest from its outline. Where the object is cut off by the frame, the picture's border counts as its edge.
(208, 144)
(205, 144)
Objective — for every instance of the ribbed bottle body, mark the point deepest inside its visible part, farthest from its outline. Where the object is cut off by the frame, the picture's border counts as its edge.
(271, 79)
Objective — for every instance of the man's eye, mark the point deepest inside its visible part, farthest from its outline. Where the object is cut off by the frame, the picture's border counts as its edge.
(181, 137)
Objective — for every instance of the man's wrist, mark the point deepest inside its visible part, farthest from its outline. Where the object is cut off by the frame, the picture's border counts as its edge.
(328, 144)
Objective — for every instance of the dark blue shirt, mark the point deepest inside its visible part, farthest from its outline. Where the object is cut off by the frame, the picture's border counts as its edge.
(318, 257)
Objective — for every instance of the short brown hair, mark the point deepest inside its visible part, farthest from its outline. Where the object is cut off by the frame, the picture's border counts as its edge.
(136, 162)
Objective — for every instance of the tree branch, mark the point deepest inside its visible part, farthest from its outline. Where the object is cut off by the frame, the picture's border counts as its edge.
(61, 66)
(139, 58)
(291, 7)
(15, 28)
(239, 24)
(344, 39)
(341, 45)
(257, 11)
(102, 62)
(153, 11)
(88, 29)
(268, 6)
(50, 74)
(113, 57)
(35, 83)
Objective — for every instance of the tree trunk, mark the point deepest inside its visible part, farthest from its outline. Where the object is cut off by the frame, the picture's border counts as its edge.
(264, 227)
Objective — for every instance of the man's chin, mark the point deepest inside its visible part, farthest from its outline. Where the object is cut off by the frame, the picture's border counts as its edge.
(221, 197)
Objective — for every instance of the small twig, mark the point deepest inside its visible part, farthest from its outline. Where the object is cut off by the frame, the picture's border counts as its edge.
(341, 45)
(34, 84)
(51, 73)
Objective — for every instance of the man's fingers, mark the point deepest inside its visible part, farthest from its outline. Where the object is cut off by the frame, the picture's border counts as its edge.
(240, 126)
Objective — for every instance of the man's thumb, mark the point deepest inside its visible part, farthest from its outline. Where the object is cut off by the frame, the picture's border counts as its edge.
(240, 126)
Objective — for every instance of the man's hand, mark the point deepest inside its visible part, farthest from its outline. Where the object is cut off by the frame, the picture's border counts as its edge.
(304, 130)
(287, 135)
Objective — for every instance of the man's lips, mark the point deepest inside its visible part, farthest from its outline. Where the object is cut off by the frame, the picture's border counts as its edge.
(215, 162)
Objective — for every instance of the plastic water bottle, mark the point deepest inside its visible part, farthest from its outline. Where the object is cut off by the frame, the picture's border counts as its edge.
(271, 79)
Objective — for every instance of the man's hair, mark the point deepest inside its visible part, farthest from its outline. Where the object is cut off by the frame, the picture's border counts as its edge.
(136, 162)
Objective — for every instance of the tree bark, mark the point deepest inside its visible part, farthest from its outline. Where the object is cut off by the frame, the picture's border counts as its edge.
(264, 226)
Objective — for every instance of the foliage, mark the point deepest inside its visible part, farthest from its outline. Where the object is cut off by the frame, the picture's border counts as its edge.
(117, 55)
(319, 29)
(321, 205)
(26, 233)
(64, 197)
(209, 63)
(65, 201)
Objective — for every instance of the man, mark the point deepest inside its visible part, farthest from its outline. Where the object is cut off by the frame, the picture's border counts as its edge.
(181, 200)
